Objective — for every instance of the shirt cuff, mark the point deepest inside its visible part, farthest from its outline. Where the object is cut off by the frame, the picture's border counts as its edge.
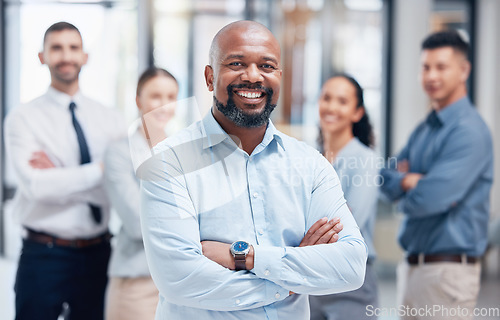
(267, 265)
(391, 184)
(267, 261)
(93, 174)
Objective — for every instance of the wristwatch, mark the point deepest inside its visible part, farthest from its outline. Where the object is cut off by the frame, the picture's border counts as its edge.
(239, 250)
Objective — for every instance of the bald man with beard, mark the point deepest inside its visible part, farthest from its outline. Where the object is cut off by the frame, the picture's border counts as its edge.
(241, 221)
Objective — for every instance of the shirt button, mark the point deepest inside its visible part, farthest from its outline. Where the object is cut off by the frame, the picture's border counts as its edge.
(277, 296)
(238, 301)
(267, 272)
(255, 195)
(261, 232)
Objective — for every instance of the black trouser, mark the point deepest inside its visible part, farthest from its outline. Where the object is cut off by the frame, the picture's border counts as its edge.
(50, 277)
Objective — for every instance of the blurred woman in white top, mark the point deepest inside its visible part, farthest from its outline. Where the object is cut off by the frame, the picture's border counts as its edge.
(345, 139)
(131, 291)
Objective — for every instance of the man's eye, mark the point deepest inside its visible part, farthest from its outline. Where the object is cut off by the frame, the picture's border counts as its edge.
(236, 64)
(268, 66)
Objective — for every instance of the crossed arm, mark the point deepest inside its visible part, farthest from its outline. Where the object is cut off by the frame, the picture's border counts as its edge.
(321, 232)
(410, 179)
(179, 262)
(39, 177)
(399, 180)
(43, 180)
(45, 170)
(444, 184)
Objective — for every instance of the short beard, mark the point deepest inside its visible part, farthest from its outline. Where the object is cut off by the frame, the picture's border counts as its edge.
(240, 118)
(63, 79)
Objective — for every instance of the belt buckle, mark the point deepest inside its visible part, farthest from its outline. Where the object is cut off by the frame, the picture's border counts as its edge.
(74, 244)
(421, 259)
(464, 258)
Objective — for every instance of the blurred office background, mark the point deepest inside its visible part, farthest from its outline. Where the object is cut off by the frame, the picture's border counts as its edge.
(376, 41)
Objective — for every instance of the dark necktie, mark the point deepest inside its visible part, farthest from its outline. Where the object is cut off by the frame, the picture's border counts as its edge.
(84, 156)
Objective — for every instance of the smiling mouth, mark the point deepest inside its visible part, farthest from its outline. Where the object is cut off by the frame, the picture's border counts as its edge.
(330, 118)
(250, 94)
(65, 66)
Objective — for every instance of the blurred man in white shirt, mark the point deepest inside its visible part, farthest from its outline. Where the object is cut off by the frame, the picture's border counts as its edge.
(56, 144)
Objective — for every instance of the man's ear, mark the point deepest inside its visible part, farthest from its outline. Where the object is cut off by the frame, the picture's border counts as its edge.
(40, 57)
(466, 68)
(209, 77)
(138, 103)
(85, 58)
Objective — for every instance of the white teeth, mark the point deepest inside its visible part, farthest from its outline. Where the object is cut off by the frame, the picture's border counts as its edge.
(330, 118)
(250, 95)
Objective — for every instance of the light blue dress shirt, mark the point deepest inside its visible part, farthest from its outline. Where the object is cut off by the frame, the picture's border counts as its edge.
(201, 186)
(447, 212)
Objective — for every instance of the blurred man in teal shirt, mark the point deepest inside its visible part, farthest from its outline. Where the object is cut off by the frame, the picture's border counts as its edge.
(443, 180)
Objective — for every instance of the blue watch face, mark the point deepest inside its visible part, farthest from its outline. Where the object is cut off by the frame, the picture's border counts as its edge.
(240, 246)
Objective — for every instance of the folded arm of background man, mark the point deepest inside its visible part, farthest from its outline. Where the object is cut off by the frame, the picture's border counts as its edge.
(448, 180)
(58, 185)
(184, 276)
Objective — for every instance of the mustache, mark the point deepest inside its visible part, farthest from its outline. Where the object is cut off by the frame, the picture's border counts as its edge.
(62, 64)
(231, 87)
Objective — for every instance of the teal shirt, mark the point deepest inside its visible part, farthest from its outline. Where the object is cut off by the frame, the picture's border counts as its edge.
(448, 211)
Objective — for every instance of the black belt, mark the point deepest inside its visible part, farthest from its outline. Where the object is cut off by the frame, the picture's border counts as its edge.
(414, 258)
(51, 240)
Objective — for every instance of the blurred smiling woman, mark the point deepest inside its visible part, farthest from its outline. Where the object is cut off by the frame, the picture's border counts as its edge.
(131, 291)
(345, 140)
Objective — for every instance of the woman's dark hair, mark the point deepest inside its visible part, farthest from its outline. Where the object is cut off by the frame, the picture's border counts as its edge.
(150, 73)
(362, 129)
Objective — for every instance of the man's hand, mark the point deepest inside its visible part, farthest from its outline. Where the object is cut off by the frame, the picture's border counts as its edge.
(403, 166)
(410, 181)
(322, 231)
(40, 160)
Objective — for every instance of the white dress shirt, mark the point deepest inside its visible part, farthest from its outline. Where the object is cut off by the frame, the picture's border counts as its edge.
(56, 200)
(201, 186)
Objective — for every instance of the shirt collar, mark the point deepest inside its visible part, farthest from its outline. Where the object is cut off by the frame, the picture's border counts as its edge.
(214, 134)
(272, 134)
(453, 111)
(62, 99)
